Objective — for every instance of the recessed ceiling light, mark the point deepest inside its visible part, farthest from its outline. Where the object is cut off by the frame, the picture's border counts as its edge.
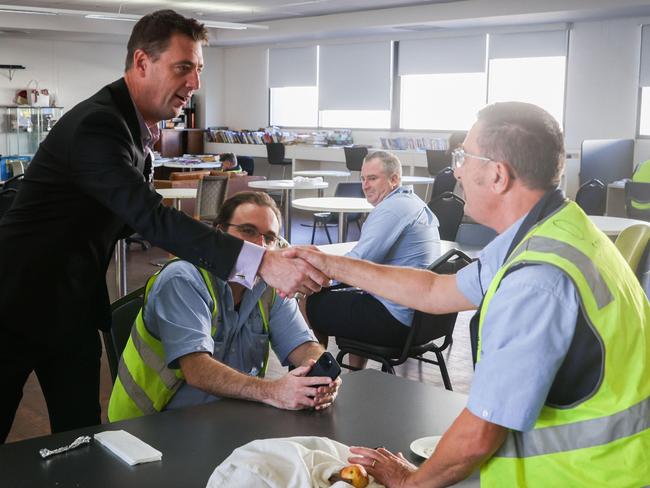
(124, 18)
(29, 12)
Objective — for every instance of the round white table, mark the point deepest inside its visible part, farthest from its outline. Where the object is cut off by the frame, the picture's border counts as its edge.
(613, 226)
(286, 186)
(323, 173)
(177, 194)
(341, 205)
(419, 180)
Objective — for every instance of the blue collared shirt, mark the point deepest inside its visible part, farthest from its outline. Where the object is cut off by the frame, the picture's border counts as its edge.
(179, 312)
(400, 231)
(526, 334)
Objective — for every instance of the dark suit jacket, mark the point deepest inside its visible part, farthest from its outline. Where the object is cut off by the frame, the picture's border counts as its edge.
(81, 193)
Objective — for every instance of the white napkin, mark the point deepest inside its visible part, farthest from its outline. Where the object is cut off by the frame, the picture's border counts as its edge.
(128, 447)
(279, 463)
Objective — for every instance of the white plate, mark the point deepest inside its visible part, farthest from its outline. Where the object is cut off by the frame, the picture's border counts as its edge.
(424, 446)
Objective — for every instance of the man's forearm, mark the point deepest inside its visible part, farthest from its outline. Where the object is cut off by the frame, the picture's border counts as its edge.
(414, 288)
(304, 352)
(467, 444)
(207, 374)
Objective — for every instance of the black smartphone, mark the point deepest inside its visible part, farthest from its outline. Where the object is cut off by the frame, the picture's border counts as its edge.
(326, 366)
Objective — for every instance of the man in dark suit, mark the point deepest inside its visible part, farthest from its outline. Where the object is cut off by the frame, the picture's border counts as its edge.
(87, 187)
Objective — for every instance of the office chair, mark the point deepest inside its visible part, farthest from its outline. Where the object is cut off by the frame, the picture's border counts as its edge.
(426, 329)
(354, 157)
(592, 197)
(247, 163)
(275, 156)
(634, 244)
(123, 314)
(444, 181)
(437, 160)
(323, 219)
(449, 210)
(210, 195)
(637, 200)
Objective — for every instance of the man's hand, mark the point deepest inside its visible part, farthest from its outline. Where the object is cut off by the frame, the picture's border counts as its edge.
(290, 276)
(387, 468)
(295, 391)
(313, 256)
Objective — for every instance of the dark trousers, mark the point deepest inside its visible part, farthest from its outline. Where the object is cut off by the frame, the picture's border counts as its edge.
(67, 370)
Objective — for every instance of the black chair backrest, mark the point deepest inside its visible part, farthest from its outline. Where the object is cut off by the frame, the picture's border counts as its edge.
(123, 313)
(275, 153)
(639, 193)
(643, 271)
(428, 327)
(354, 157)
(14, 182)
(350, 189)
(449, 210)
(444, 181)
(592, 197)
(247, 163)
(437, 160)
(7, 197)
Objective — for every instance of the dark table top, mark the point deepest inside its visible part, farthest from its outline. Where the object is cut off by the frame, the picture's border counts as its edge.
(372, 409)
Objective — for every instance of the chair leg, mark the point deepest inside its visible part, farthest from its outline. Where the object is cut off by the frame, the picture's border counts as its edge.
(329, 238)
(313, 231)
(443, 370)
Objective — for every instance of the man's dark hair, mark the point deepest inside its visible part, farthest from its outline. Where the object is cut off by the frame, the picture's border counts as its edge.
(258, 198)
(230, 157)
(528, 138)
(153, 32)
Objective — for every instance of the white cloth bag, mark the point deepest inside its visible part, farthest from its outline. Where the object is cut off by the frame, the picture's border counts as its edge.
(299, 462)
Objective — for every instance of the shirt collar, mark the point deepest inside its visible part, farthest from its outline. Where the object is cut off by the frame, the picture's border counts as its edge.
(148, 135)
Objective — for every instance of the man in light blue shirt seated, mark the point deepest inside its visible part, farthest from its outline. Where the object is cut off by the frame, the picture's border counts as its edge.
(560, 340)
(400, 231)
(217, 333)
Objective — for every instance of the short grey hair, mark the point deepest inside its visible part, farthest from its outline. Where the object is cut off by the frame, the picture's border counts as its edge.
(390, 162)
(528, 138)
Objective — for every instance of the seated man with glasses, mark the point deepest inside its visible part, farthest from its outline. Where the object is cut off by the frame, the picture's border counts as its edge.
(198, 337)
(400, 231)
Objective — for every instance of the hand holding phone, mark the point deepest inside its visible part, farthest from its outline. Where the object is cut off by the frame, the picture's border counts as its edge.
(326, 366)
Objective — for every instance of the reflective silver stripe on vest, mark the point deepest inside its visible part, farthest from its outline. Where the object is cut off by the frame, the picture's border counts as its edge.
(155, 362)
(586, 266)
(134, 391)
(578, 435)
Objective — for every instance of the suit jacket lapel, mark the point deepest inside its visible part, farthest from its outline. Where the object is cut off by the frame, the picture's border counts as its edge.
(125, 105)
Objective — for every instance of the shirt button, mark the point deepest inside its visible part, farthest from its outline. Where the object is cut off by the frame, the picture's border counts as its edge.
(485, 413)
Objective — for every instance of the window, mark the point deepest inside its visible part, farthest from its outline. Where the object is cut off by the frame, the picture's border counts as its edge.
(355, 119)
(644, 125)
(446, 101)
(442, 82)
(294, 106)
(354, 85)
(529, 67)
(293, 88)
(538, 80)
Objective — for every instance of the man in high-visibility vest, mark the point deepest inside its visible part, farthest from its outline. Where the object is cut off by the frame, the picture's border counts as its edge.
(198, 337)
(561, 339)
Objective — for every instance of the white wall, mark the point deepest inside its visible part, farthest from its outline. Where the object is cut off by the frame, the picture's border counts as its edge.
(72, 70)
(210, 98)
